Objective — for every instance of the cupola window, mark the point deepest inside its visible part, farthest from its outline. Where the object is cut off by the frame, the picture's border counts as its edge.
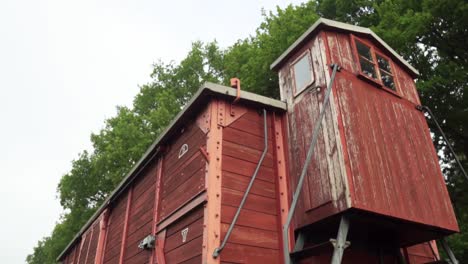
(302, 72)
(374, 66)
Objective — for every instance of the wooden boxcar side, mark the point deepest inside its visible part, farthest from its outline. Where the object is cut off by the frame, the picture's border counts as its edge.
(134, 216)
(255, 237)
(186, 192)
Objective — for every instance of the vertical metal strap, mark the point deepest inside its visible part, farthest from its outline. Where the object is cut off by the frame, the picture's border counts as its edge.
(340, 244)
(234, 220)
(310, 154)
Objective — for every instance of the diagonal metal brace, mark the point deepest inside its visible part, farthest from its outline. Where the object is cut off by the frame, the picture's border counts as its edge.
(445, 246)
(427, 110)
(218, 250)
(310, 154)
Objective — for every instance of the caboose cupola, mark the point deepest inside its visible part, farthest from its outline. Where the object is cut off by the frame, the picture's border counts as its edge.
(373, 163)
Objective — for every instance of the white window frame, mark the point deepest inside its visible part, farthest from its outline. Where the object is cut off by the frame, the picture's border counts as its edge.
(299, 90)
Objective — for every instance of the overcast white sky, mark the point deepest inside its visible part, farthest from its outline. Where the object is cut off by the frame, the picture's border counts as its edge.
(64, 66)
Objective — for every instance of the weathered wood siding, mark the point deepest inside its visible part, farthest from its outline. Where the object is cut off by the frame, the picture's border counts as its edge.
(325, 189)
(393, 164)
(256, 235)
(374, 150)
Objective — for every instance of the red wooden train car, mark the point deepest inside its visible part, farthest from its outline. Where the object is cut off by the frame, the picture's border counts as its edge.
(217, 185)
(186, 189)
(374, 158)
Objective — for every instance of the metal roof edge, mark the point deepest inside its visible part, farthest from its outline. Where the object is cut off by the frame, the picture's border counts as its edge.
(246, 96)
(206, 89)
(343, 26)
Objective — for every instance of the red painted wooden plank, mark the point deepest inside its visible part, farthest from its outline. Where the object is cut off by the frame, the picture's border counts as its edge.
(249, 218)
(137, 222)
(344, 47)
(303, 139)
(194, 260)
(246, 153)
(248, 254)
(240, 182)
(246, 139)
(251, 126)
(187, 171)
(251, 236)
(141, 257)
(195, 230)
(254, 202)
(173, 162)
(189, 250)
(189, 218)
(114, 237)
(145, 182)
(385, 128)
(297, 157)
(183, 193)
(246, 168)
(173, 147)
(383, 187)
(256, 115)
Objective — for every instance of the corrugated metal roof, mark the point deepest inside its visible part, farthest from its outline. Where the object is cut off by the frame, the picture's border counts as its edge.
(201, 97)
(323, 22)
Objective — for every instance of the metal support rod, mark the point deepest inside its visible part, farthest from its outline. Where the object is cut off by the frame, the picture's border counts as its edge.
(299, 242)
(400, 257)
(449, 252)
(310, 153)
(234, 220)
(340, 245)
(428, 110)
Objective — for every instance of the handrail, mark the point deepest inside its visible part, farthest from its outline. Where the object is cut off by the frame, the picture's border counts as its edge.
(309, 156)
(218, 250)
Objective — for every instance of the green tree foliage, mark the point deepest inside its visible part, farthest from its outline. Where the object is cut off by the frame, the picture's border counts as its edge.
(249, 59)
(431, 34)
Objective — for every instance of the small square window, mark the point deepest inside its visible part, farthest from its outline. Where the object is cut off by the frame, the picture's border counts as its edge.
(365, 60)
(386, 72)
(368, 68)
(302, 72)
(364, 51)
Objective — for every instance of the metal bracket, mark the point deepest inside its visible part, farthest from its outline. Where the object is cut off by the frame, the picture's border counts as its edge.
(335, 244)
(338, 67)
(147, 242)
(205, 154)
(340, 243)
